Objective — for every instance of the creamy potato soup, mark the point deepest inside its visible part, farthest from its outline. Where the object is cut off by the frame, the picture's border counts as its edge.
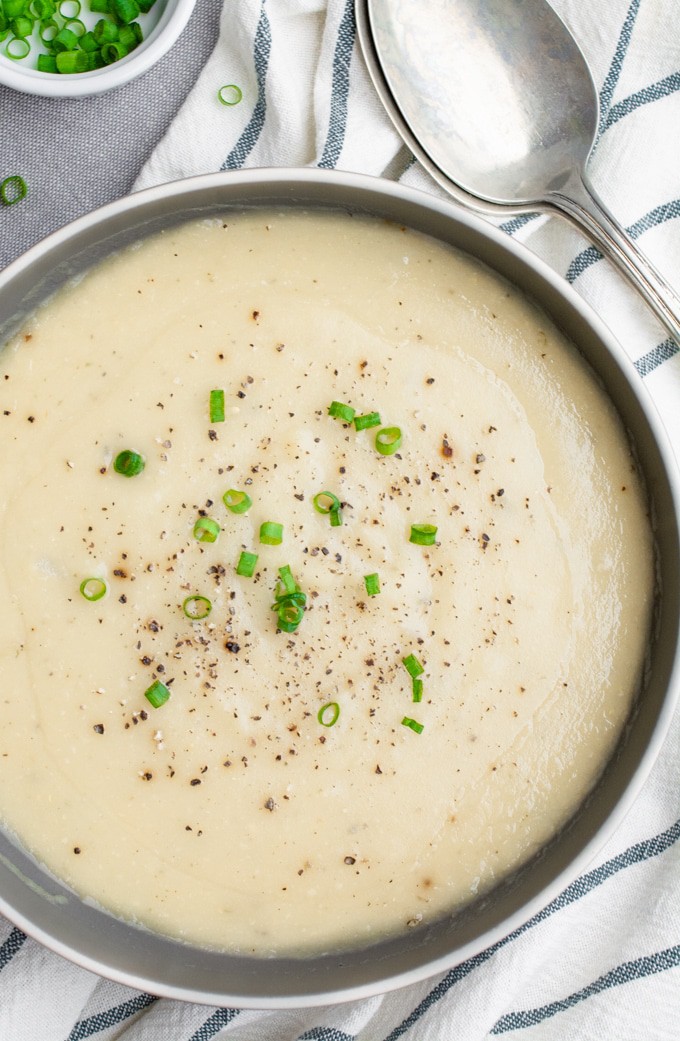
(289, 722)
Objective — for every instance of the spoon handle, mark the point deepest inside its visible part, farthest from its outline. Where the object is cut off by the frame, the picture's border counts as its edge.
(580, 202)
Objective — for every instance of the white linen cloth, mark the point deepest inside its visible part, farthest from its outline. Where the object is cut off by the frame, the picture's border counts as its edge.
(602, 962)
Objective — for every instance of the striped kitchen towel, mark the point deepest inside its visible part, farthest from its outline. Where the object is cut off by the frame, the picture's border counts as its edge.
(602, 961)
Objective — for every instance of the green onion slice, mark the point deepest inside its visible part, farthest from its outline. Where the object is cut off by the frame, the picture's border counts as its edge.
(372, 583)
(22, 26)
(77, 26)
(206, 529)
(287, 581)
(370, 419)
(230, 94)
(282, 598)
(73, 61)
(417, 728)
(328, 714)
(326, 502)
(197, 607)
(340, 411)
(12, 190)
(388, 440)
(290, 615)
(93, 589)
(128, 463)
(237, 501)
(124, 10)
(417, 688)
(423, 534)
(47, 63)
(17, 48)
(48, 30)
(157, 694)
(413, 666)
(271, 533)
(217, 406)
(246, 564)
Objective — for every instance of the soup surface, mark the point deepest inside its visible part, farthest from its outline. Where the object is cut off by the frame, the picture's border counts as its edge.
(235, 815)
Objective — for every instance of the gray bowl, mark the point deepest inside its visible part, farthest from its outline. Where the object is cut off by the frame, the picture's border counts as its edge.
(92, 938)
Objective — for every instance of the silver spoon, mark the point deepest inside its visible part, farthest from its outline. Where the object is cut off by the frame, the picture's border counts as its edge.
(495, 98)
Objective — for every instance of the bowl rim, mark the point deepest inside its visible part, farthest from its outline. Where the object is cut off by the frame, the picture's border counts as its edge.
(194, 197)
(164, 34)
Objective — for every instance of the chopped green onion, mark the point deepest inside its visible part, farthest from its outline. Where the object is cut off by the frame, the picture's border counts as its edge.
(413, 666)
(197, 607)
(99, 6)
(17, 48)
(281, 597)
(65, 40)
(340, 411)
(237, 501)
(13, 8)
(77, 26)
(326, 502)
(370, 419)
(128, 463)
(130, 35)
(73, 61)
(206, 529)
(289, 601)
(417, 728)
(12, 189)
(112, 51)
(22, 26)
(328, 714)
(93, 589)
(230, 94)
(124, 10)
(88, 43)
(287, 581)
(423, 534)
(388, 440)
(217, 406)
(246, 564)
(271, 533)
(105, 32)
(69, 9)
(372, 583)
(417, 687)
(47, 63)
(289, 616)
(41, 9)
(47, 32)
(157, 694)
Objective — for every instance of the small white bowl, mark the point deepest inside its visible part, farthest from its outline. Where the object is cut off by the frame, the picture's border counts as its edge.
(161, 26)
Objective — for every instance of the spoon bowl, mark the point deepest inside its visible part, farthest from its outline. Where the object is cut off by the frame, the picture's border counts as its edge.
(497, 101)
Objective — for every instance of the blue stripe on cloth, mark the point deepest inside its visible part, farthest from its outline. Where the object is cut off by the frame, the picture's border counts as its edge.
(12, 944)
(111, 1018)
(589, 256)
(326, 1034)
(654, 92)
(636, 854)
(214, 1024)
(612, 77)
(511, 226)
(261, 52)
(624, 973)
(337, 123)
(657, 356)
